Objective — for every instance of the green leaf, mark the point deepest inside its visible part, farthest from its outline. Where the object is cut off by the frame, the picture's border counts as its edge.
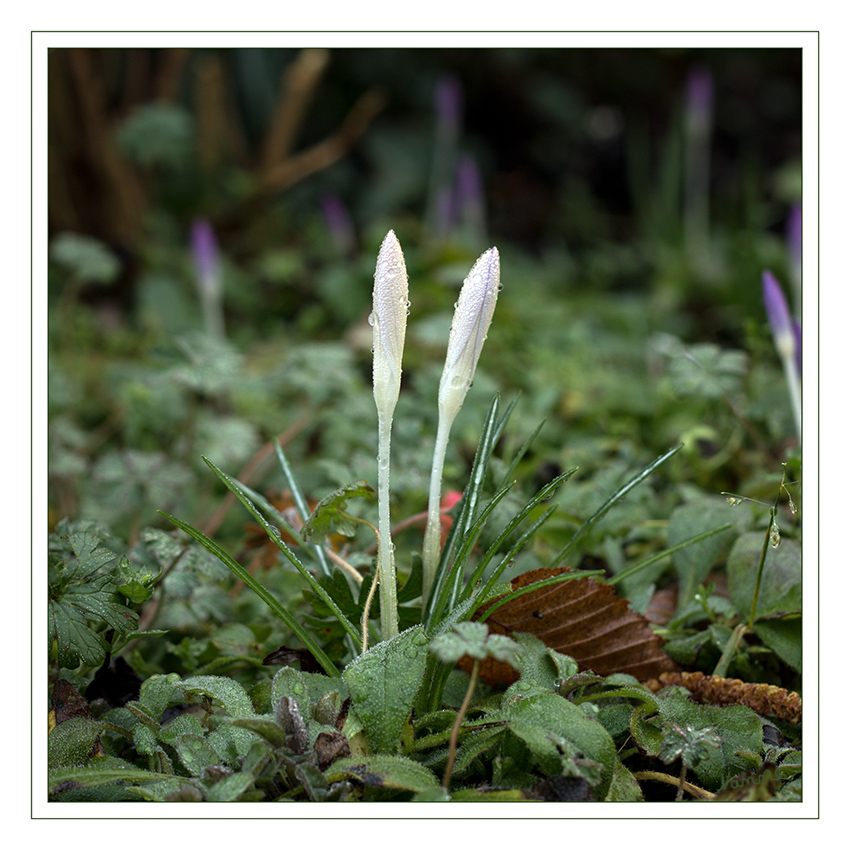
(87, 259)
(383, 771)
(785, 638)
(782, 581)
(559, 718)
(474, 640)
(687, 743)
(265, 728)
(624, 787)
(239, 571)
(707, 371)
(274, 535)
(102, 771)
(694, 562)
(738, 727)
(228, 692)
(76, 643)
(288, 682)
(330, 516)
(73, 741)
(156, 692)
(612, 500)
(383, 683)
(230, 788)
(196, 754)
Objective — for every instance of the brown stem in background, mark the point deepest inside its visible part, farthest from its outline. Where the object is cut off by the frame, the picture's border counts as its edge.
(327, 152)
(299, 81)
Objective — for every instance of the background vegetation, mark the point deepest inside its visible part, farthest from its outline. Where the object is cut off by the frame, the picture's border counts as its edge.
(635, 197)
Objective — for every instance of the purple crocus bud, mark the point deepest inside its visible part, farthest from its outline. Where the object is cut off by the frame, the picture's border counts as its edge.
(786, 340)
(794, 240)
(339, 223)
(700, 97)
(449, 104)
(470, 195)
(207, 263)
(204, 250)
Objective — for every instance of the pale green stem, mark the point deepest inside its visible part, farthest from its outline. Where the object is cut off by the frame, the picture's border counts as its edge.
(386, 561)
(792, 378)
(431, 546)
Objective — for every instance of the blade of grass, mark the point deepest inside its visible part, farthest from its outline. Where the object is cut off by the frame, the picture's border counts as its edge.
(236, 488)
(521, 453)
(647, 562)
(610, 502)
(274, 605)
(509, 556)
(541, 495)
(301, 505)
(469, 505)
(448, 587)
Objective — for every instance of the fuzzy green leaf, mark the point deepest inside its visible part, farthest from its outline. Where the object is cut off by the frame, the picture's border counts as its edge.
(330, 516)
(782, 581)
(228, 692)
(383, 683)
(383, 771)
(472, 639)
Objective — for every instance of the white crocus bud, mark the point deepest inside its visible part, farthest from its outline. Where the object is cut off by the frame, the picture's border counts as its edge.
(389, 323)
(473, 314)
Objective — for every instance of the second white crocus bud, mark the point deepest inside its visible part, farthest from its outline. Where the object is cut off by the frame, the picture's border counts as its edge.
(389, 324)
(473, 314)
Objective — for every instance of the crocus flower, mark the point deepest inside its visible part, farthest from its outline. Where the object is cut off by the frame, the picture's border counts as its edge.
(700, 97)
(469, 198)
(389, 324)
(205, 257)
(698, 123)
(339, 223)
(473, 314)
(448, 102)
(784, 338)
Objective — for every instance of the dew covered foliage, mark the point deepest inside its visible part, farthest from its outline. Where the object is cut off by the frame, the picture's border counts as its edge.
(306, 546)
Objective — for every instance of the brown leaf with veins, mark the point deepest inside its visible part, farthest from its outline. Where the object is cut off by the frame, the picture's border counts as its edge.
(582, 618)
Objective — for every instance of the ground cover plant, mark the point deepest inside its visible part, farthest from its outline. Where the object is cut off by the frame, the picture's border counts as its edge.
(377, 558)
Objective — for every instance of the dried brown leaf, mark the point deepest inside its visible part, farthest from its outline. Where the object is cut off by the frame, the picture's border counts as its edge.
(584, 619)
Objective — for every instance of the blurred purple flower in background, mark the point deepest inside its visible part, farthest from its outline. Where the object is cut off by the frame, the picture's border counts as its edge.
(470, 208)
(339, 224)
(700, 97)
(699, 108)
(448, 107)
(448, 101)
(786, 340)
(207, 262)
(204, 249)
